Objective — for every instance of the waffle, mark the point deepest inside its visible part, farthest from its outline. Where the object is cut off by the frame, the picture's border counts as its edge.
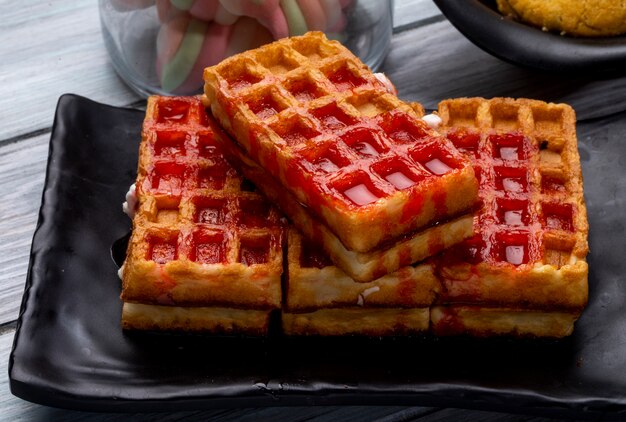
(318, 121)
(362, 267)
(203, 243)
(213, 319)
(320, 299)
(484, 321)
(526, 261)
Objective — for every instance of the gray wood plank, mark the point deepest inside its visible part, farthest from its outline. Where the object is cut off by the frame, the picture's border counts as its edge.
(435, 62)
(22, 172)
(52, 48)
(48, 49)
(412, 13)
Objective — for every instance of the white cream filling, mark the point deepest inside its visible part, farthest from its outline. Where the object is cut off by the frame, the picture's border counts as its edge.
(365, 293)
(385, 81)
(120, 272)
(432, 120)
(131, 201)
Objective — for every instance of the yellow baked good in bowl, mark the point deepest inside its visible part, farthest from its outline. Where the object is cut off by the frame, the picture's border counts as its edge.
(585, 18)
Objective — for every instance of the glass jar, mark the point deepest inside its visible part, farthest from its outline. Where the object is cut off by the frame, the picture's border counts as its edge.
(161, 46)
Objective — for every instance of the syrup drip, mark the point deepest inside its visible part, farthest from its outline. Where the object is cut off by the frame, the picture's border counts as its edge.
(332, 117)
(209, 253)
(266, 111)
(332, 122)
(243, 81)
(171, 150)
(558, 216)
(208, 179)
(515, 254)
(438, 167)
(207, 147)
(266, 107)
(163, 252)
(360, 195)
(173, 112)
(326, 165)
(512, 184)
(402, 136)
(466, 142)
(365, 149)
(210, 216)
(554, 222)
(169, 183)
(304, 96)
(403, 130)
(253, 255)
(167, 178)
(399, 180)
(509, 146)
(344, 80)
(208, 151)
(304, 91)
(313, 257)
(254, 217)
(175, 117)
(513, 218)
(169, 144)
(552, 184)
(509, 153)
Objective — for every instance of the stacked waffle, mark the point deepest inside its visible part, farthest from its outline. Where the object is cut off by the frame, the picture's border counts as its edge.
(387, 235)
(206, 252)
(522, 273)
(377, 187)
(355, 169)
(524, 270)
(320, 299)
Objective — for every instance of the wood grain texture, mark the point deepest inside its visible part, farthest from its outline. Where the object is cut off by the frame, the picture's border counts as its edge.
(48, 49)
(22, 172)
(435, 62)
(56, 47)
(411, 13)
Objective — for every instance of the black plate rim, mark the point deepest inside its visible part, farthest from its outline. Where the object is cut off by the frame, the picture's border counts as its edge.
(528, 46)
(525, 401)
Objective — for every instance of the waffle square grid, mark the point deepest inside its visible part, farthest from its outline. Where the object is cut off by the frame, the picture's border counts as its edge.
(530, 245)
(315, 118)
(523, 273)
(200, 237)
(362, 267)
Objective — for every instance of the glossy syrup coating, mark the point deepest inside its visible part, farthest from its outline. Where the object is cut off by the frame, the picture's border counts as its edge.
(317, 120)
(530, 241)
(507, 228)
(361, 266)
(200, 236)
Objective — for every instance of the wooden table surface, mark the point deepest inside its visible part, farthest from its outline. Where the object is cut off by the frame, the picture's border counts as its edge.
(54, 47)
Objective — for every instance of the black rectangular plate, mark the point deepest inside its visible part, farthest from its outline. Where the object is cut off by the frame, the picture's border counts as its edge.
(69, 350)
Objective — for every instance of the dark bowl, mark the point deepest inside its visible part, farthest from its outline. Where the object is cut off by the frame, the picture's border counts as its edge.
(515, 42)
